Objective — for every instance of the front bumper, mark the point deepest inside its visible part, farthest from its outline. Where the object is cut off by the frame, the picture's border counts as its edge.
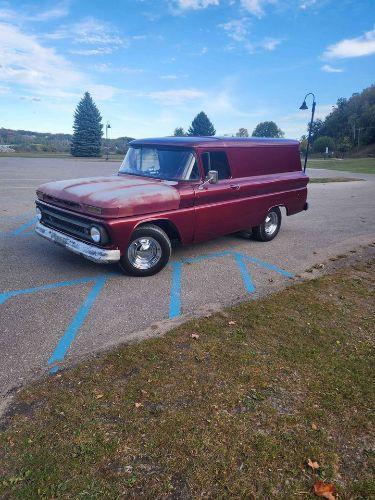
(91, 252)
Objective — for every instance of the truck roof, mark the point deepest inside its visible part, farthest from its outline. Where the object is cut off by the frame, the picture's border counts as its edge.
(214, 142)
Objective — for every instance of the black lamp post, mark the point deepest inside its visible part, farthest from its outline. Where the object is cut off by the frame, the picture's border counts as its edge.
(107, 126)
(304, 106)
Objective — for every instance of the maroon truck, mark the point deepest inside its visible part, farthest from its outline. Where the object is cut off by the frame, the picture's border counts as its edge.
(189, 189)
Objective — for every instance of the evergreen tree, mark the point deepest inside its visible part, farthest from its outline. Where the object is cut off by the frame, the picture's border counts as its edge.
(267, 129)
(179, 132)
(201, 125)
(87, 136)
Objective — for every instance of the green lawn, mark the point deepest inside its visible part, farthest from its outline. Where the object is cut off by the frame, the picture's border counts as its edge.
(230, 406)
(325, 180)
(355, 165)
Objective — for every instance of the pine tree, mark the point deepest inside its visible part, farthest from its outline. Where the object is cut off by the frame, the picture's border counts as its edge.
(201, 125)
(87, 136)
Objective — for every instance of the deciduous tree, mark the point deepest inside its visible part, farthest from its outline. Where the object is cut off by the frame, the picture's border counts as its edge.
(267, 129)
(242, 132)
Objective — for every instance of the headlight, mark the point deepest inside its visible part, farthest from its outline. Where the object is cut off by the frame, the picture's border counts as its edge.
(95, 234)
(38, 213)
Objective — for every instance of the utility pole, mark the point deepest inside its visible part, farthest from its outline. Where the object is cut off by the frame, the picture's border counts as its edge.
(107, 126)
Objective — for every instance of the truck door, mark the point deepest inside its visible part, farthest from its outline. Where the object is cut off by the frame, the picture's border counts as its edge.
(216, 207)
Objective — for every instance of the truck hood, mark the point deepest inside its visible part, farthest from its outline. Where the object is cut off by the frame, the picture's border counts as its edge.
(117, 196)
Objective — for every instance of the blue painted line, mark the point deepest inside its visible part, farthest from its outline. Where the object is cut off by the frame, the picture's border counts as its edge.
(13, 293)
(272, 267)
(24, 226)
(78, 320)
(175, 294)
(191, 260)
(246, 278)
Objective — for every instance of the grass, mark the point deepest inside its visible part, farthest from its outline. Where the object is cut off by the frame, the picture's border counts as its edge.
(355, 165)
(233, 411)
(325, 180)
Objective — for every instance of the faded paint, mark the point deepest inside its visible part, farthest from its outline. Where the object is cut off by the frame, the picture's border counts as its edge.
(121, 196)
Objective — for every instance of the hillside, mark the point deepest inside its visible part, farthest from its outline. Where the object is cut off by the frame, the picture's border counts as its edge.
(28, 141)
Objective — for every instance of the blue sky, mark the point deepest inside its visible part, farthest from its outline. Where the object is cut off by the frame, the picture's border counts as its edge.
(153, 65)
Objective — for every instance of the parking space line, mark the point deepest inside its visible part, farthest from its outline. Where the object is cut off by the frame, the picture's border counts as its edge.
(78, 320)
(13, 293)
(175, 297)
(24, 226)
(272, 267)
(240, 259)
(246, 278)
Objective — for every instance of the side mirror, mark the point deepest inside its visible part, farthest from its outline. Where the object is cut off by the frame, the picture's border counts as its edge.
(213, 176)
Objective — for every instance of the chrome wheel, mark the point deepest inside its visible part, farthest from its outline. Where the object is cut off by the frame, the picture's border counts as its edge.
(271, 223)
(144, 253)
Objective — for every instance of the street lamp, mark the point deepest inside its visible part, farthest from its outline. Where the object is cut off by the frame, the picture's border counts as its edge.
(107, 126)
(304, 106)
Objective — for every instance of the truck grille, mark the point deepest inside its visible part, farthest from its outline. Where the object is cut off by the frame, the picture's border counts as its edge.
(68, 224)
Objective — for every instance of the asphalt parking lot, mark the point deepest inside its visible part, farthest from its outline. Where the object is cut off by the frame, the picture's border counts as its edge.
(56, 307)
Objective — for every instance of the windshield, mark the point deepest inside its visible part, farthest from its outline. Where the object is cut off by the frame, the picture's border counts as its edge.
(159, 163)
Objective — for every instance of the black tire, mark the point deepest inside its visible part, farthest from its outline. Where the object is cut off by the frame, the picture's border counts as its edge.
(157, 234)
(261, 234)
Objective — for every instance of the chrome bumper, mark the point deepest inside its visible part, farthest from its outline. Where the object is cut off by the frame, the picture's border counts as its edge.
(91, 252)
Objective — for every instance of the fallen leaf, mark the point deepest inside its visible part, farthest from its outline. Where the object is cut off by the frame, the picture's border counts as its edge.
(231, 323)
(313, 465)
(314, 427)
(138, 405)
(325, 490)
(99, 396)
(194, 336)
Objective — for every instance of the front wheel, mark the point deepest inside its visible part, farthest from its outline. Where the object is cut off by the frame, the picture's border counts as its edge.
(270, 227)
(148, 252)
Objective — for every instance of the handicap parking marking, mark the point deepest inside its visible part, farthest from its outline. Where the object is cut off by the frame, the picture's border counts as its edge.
(175, 308)
(78, 320)
(70, 333)
(98, 282)
(20, 230)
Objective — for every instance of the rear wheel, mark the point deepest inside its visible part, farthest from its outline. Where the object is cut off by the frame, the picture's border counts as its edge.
(148, 251)
(270, 227)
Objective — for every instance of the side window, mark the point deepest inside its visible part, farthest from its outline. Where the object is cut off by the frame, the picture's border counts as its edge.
(216, 160)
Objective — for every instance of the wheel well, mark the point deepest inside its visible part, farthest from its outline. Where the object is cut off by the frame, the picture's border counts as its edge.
(167, 226)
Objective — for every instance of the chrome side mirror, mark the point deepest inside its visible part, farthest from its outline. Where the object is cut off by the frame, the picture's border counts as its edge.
(212, 178)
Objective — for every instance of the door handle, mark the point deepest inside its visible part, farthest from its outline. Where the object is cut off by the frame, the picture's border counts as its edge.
(235, 186)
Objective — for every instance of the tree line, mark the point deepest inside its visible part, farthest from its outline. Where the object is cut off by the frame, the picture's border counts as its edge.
(350, 125)
(202, 126)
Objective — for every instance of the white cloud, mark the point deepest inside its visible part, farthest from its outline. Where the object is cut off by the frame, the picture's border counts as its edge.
(330, 69)
(101, 37)
(305, 4)
(59, 10)
(175, 97)
(352, 47)
(236, 29)
(256, 7)
(109, 67)
(270, 43)
(169, 77)
(24, 62)
(92, 52)
(195, 4)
